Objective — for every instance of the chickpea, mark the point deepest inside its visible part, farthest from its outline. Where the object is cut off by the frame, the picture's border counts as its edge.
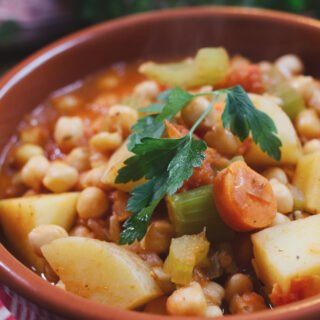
(68, 103)
(265, 66)
(33, 135)
(163, 280)
(213, 312)
(106, 141)
(92, 203)
(289, 65)
(246, 303)
(222, 140)
(120, 118)
(238, 283)
(187, 301)
(81, 231)
(68, 132)
(34, 171)
(283, 195)
(158, 237)
(109, 82)
(304, 85)
(312, 146)
(44, 234)
(308, 124)
(79, 158)
(194, 110)
(276, 173)
(98, 159)
(93, 177)
(280, 219)
(60, 177)
(146, 89)
(25, 152)
(104, 100)
(214, 293)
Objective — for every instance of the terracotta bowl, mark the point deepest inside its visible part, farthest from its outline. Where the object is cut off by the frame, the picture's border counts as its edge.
(257, 34)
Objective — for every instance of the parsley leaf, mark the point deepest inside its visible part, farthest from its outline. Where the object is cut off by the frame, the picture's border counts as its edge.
(145, 127)
(189, 155)
(177, 99)
(167, 163)
(241, 117)
(173, 101)
(136, 226)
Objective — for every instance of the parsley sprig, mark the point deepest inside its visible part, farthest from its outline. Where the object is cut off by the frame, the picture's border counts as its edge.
(167, 163)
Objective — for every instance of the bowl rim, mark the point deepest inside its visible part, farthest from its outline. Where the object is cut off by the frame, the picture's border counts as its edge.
(25, 282)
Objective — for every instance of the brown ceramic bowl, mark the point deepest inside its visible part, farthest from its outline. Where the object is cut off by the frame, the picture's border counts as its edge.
(258, 34)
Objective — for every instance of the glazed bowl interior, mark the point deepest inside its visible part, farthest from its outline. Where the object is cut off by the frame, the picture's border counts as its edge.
(257, 34)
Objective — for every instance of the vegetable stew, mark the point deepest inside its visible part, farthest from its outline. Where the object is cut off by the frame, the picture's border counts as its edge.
(187, 188)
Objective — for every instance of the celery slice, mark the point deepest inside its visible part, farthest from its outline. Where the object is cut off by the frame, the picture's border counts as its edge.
(185, 254)
(292, 100)
(194, 210)
(209, 66)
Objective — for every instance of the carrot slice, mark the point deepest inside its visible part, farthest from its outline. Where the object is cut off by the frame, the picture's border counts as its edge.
(244, 198)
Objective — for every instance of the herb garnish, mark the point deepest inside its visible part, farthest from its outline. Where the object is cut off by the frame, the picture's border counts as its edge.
(241, 117)
(167, 163)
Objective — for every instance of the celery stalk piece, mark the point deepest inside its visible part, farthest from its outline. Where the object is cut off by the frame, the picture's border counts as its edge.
(185, 254)
(292, 100)
(209, 66)
(194, 210)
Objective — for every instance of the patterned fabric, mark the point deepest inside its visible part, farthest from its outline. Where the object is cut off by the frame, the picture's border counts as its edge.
(14, 307)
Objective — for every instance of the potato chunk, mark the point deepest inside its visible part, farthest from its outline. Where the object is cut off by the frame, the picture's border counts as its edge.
(291, 149)
(20, 215)
(115, 163)
(287, 251)
(307, 179)
(101, 271)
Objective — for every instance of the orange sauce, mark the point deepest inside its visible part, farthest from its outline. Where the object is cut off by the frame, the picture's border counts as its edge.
(94, 96)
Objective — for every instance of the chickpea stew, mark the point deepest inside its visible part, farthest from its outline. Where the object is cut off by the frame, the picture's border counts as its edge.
(172, 188)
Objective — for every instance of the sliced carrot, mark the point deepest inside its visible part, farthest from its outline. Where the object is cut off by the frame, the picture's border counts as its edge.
(244, 198)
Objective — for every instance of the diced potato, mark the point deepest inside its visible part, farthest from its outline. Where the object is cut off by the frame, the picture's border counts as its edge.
(209, 66)
(115, 163)
(287, 251)
(307, 179)
(101, 271)
(19, 216)
(291, 149)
